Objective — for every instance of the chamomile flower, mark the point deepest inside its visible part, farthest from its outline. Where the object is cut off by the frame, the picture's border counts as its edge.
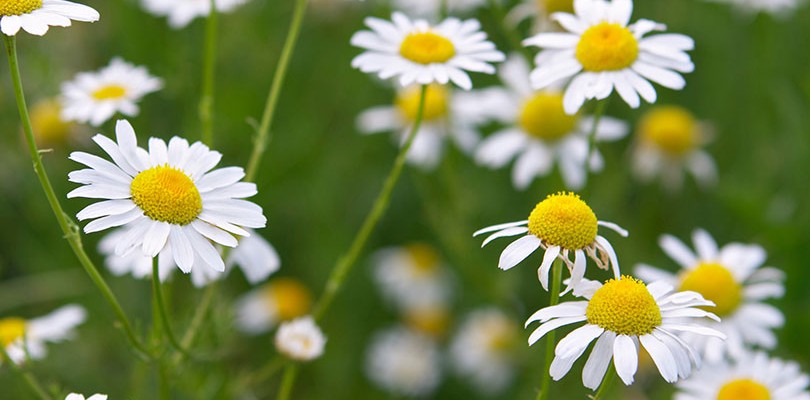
(483, 350)
(539, 132)
(77, 396)
(95, 97)
(281, 299)
(779, 8)
(600, 52)
(732, 278)
(412, 276)
(751, 376)
(431, 8)
(404, 362)
(24, 339)
(669, 141)
(561, 224)
(300, 339)
(417, 52)
(622, 315)
(181, 12)
(166, 198)
(36, 16)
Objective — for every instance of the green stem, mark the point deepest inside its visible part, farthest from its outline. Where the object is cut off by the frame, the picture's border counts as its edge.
(263, 134)
(164, 391)
(443, 9)
(287, 382)
(345, 263)
(27, 376)
(197, 320)
(161, 308)
(274, 365)
(206, 107)
(69, 228)
(554, 299)
(604, 387)
(597, 115)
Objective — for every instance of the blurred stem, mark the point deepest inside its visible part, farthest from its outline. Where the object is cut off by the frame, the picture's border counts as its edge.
(512, 35)
(164, 392)
(271, 368)
(345, 263)
(197, 320)
(287, 382)
(443, 9)
(263, 134)
(27, 376)
(607, 380)
(556, 277)
(157, 291)
(597, 115)
(69, 228)
(206, 107)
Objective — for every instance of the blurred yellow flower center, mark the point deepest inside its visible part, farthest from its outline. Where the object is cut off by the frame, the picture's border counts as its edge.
(502, 335)
(716, 283)
(543, 117)
(624, 306)
(425, 260)
(166, 194)
(606, 47)
(670, 128)
(47, 122)
(110, 92)
(564, 220)
(744, 389)
(18, 7)
(11, 329)
(436, 99)
(427, 48)
(431, 321)
(289, 298)
(552, 6)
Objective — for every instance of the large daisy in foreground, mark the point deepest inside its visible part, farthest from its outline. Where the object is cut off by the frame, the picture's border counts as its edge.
(601, 52)
(167, 198)
(36, 16)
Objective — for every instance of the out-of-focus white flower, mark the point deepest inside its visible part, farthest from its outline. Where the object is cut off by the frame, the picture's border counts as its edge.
(300, 339)
(430, 8)
(483, 350)
(181, 12)
(281, 299)
(24, 339)
(77, 396)
(412, 276)
(404, 362)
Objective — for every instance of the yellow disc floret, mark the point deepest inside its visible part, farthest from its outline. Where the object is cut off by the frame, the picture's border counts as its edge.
(11, 329)
(47, 122)
(166, 194)
(552, 6)
(744, 389)
(110, 92)
(18, 7)
(289, 298)
(427, 48)
(436, 99)
(543, 117)
(425, 260)
(716, 283)
(564, 220)
(607, 47)
(624, 306)
(432, 321)
(669, 128)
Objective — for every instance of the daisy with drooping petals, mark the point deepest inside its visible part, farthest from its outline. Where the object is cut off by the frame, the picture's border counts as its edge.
(77, 396)
(404, 362)
(94, 97)
(416, 52)
(166, 198)
(23, 339)
(36, 16)
(181, 12)
(601, 52)
(622, 315)
(281, 299)
(300, 339)
(560, 224)
(730, 277)
(540, 132)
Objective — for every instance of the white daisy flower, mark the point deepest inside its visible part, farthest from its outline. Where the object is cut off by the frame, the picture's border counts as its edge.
(417, 52)
(733, 279)
(540, 132)
(36, 16)
(430, 8)
(669, 141)
(281, 299)
(412, 277)
(483, 348)
(404, 362)
(23, 339)
(77, 396)
(560, 224)
(166, 198)
(603, 52)
(752, 376)
(94, 97)
(779, 8)
(181, 12)
(621, 315)
(300, 339)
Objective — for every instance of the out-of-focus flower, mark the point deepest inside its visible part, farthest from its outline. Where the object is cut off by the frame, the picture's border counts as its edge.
(23, 339)
(36, 16)
(540, 11)
(412, 277)
(47, 124)
(77, 396)
(483, 350)
(300, 339)
(430, 8)
(779, 8)
(181, 12)
(281, 299)
(404, 362)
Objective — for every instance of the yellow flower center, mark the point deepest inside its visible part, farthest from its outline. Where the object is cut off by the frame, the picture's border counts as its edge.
(289, 297)
(624, 306)
(716, 283)
(552, 6)
(110, 92)
(436, 99)
(11, 329)
(564, 220)
(670, 128)
(606, 47)
(744, 389)
(427, 48)
(431, 321)
(166, 194)
(543, 117)
(425, 259)
(18, 7)
(47, 123)
(502, 335)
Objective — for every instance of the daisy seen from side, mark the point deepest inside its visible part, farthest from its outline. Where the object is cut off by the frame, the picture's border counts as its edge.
(25, 339)
(36, 16)
(181, 12)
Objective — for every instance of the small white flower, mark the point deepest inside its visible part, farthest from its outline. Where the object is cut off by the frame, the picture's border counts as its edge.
(779, 8)
(181, 12)
(95, 97)
(416, 52)
(23, 339)
(36, 16)
(730, 277)
(482, 350)
(281, 299)
(404, 362)
(412, 277)
(300, 339)
(77, 396)
(431, 8)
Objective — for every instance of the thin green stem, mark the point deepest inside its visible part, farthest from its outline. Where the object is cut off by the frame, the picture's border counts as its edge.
(271, 368)
(345, 263)
(69, 228)
(607, 380)
(263, 134)
(161, 308)
(597, 115)
(194, 328)
(206, 107)
(287, 382)
(443, 9)
(164, 391)
(554, 299)
(27, 376)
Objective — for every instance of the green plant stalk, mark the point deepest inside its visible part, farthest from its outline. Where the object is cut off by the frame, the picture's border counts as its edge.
(197, 320)
(206, 107)
(554, 299)
(69, 228)
(263, 134)
(607, 380)
(443, 9)
(161, 308)
(27, 376)
(287, 381)
(345, 263)
(597, 116)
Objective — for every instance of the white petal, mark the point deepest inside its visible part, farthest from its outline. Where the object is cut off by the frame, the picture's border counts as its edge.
(661, 356)
(500, 226)
(677, 251)
(625, 358)
(517, 251)
(598, 362)
(548, 259)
